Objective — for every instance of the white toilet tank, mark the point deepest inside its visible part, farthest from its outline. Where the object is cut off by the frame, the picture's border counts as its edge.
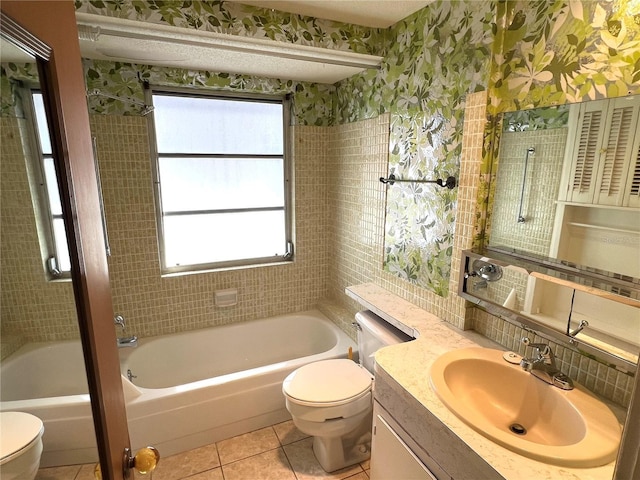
(373, 334)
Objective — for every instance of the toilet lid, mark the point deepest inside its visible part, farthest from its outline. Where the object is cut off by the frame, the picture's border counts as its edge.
(17, 431)
(327, 382)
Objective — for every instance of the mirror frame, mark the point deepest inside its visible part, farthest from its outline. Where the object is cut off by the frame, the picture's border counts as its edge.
(62, 85)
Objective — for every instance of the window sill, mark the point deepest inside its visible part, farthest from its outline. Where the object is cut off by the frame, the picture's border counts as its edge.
(226, 269)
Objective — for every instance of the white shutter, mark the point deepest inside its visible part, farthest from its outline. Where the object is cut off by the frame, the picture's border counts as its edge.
(619, 136)
(586, 152)
(632, 191)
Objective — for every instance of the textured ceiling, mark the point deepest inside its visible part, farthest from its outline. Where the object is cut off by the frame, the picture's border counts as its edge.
(370, 13)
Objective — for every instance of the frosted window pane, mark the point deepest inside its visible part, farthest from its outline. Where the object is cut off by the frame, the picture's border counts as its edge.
(195, 239)
(64, 262)
(41, 121)
(215, 184)
(52, 186)
(211, 125)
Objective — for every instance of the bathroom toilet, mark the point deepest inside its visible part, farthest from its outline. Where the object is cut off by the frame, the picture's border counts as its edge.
(332, 400)
(20, 445)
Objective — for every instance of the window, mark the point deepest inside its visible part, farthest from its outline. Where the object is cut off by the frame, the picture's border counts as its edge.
(54, 245)
(221, 173)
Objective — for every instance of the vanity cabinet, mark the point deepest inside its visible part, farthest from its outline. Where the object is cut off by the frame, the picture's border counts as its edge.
(603, 153)
(391, 457)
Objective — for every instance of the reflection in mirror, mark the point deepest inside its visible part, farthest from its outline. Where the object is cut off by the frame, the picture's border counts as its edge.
(41, 354)
(567, 195)
(574, 174)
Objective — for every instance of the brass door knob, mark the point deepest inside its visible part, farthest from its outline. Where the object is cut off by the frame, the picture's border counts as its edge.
(145, 461)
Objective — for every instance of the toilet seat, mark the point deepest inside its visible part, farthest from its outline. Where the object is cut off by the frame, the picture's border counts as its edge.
(18, 433)
(327, 383)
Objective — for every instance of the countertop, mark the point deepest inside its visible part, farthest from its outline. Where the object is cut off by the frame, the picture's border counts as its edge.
(408, 365)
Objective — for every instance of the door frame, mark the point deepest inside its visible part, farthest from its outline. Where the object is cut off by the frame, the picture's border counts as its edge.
(47, 29)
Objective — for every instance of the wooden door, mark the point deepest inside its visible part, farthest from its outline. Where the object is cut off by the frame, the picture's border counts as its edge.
(52, 24)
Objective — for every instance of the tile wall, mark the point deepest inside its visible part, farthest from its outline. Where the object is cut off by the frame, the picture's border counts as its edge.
(32, 308)
(352, 212)
(154, 304)
(340, 211)
(544, 169)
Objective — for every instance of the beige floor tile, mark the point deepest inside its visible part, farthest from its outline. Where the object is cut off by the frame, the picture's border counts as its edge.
(366, 465)
(214, 474)
(188, 463)
(271, 465)
(306, 467)
(58, 473)
(246, 445)
(288, 433)
(86, 472)
(358, 476)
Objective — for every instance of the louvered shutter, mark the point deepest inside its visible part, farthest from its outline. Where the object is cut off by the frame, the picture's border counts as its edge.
(586, 152)
(632, 191)
(617, 153)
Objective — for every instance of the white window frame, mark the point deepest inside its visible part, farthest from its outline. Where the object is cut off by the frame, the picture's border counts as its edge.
(288, 256)
(49, 248)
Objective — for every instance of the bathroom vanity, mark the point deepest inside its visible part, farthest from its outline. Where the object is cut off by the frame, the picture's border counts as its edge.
(416, 429)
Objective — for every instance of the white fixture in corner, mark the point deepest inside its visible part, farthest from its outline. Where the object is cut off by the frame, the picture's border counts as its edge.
(164, 45)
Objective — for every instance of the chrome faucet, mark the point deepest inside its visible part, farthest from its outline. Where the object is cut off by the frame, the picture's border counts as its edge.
(131, 341)
(543, 366)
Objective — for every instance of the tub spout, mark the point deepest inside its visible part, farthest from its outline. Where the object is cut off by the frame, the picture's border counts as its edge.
(131, 341)
(127, 341)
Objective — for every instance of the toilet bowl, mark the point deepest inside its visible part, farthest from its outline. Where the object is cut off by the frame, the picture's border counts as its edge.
(331, 400)
(20, 445)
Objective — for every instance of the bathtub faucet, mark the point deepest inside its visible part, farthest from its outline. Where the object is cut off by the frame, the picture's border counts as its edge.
(131, 341)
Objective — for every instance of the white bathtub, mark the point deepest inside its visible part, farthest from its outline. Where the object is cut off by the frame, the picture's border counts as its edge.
(188, 390)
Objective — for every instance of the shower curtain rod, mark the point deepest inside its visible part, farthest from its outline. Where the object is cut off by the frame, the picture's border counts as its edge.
(450, 182)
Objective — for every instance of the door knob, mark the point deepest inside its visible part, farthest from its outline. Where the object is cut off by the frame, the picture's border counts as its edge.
(144, 461)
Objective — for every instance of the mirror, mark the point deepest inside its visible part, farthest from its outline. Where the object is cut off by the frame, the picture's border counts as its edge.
(567, 185)
(566, 208)
(36, 307)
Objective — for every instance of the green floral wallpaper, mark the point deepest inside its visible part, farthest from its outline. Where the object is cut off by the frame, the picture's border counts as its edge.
(544, 118)
(312, 102)
(552, 53)
(10, 74)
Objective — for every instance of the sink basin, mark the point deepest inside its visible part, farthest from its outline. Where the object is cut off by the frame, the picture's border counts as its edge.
(570, 428)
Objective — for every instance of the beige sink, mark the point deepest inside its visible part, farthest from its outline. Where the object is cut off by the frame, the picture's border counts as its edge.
(524, 414)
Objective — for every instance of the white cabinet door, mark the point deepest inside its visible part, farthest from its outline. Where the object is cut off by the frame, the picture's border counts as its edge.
(617, 161)
(605, 153)
(391, 458)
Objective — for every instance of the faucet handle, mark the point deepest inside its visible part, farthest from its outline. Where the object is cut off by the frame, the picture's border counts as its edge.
(119, 320)
(541, 349)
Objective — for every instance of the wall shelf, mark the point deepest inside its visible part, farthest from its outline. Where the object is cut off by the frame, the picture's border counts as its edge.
(604, 228)
(118, 39)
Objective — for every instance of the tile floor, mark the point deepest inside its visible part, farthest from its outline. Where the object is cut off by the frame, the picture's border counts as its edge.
(279, 452)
